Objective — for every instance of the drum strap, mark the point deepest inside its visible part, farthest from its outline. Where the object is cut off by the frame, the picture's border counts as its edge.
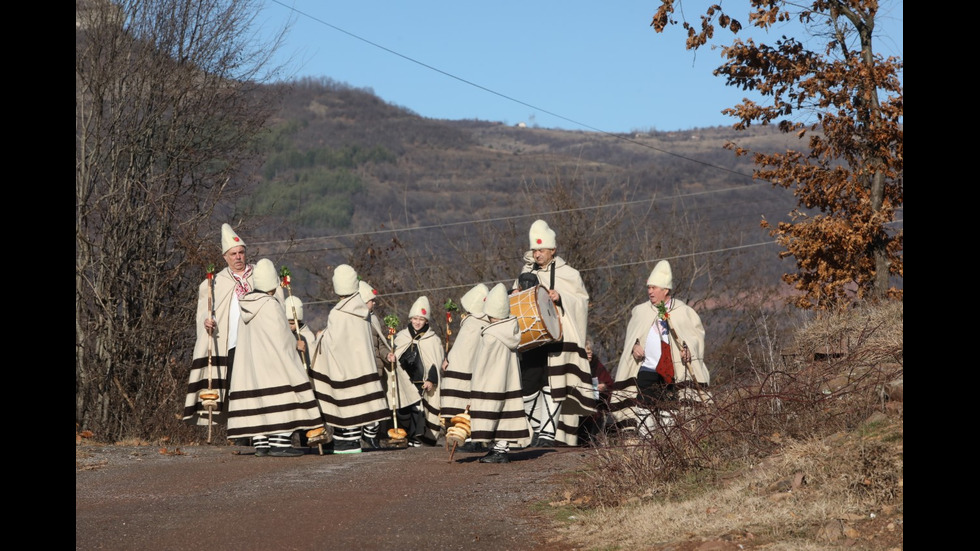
(551, 287)
(535, 270)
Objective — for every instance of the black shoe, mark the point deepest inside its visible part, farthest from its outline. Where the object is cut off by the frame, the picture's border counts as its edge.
(286, 452)
(343, 447)
(370, 443)
(495, 457)
(544, 442)
(261, 452)
(414, 442)
(247, 441)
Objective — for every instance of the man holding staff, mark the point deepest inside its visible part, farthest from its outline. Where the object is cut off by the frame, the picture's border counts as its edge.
(662, 363)
(218, 317)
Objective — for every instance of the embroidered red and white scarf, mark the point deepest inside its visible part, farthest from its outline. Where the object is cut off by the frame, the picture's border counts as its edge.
(241, 281)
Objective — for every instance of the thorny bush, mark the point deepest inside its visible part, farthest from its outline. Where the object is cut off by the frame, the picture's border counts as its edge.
(831, 379)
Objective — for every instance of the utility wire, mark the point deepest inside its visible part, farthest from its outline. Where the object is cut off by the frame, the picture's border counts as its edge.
(504, 218)
(539, 215)
(502, 95)
(592, 269)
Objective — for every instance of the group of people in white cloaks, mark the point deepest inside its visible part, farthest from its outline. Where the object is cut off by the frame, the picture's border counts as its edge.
(348, 379)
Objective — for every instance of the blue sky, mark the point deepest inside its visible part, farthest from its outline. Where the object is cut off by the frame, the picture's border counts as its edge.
(573, 64)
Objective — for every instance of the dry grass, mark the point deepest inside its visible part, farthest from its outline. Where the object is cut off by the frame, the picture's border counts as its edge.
(800, 456)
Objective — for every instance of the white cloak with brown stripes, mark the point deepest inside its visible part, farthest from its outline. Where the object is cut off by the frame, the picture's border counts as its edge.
(569, 374)
(496, 401)
(458, 374)
(345, 375)
(270, 392)
(224, 289)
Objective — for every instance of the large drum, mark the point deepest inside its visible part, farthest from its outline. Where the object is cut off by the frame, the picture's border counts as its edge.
(537, 317)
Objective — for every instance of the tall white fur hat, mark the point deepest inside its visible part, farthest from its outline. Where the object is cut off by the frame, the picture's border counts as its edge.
(291, 303)
(474, 299)
(421, 308)
(498, 303)
(264, 276)
(661, 276)
(541, 236)
(368, 293)
(229, 238)
(344, 280)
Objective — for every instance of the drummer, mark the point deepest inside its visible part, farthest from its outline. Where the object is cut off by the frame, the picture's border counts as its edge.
(555, 377)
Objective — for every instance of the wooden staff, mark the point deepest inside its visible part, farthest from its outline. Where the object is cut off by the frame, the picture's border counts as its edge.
(392, 322)
(211, 345)
(686, 363)
(286, 283)
(450, 308)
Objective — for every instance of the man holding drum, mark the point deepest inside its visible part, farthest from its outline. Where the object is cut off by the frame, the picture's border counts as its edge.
(556, 379)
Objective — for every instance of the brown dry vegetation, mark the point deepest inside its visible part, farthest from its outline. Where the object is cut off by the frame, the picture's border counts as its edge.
(808, 454)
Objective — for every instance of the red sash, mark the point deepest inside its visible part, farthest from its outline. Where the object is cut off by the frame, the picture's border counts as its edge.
(665, 367)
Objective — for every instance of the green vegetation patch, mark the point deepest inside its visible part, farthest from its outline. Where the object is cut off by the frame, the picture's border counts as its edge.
(314, 199)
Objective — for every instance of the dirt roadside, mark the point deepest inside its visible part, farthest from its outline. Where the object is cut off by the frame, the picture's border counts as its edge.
(223, 497)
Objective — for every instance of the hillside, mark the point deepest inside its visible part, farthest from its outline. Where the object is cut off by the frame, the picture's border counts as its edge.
(434, 163)
(350, 178)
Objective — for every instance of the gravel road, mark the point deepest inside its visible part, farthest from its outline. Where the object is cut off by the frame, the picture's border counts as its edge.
(223, 497)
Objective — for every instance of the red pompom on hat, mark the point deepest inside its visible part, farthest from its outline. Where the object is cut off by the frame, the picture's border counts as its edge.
(229, 238)
(420, 308)
(542, 236)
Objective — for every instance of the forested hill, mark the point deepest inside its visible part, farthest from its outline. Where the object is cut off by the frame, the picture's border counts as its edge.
(415, 171)
(417, 204)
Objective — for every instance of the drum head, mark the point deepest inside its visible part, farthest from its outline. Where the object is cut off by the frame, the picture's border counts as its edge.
(548, 313)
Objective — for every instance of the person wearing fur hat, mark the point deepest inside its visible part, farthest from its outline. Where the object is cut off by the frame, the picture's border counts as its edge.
(270, 395)
(556, 377)
(457, 370)
(497, 417)
(662, 362)
(419, 352)
(217, 323)
(345, 375)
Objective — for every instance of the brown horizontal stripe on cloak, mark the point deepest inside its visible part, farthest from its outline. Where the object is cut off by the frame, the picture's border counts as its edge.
(497, 396)
(270, 391)
(271, 409)
(357, 420)
(349, 383)
(380, 395)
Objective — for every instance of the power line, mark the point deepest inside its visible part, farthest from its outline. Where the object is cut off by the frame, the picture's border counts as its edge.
(507, 218)
(505, 96)
(498, 219)
(593, 269)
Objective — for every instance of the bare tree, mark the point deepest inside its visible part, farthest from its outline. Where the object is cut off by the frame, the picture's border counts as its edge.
(167, 103)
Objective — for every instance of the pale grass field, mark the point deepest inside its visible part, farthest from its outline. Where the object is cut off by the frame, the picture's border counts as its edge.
(750, 506)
